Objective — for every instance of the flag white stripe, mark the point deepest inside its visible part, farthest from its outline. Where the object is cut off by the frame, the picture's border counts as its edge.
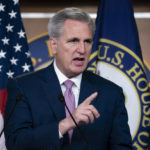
(2, 139)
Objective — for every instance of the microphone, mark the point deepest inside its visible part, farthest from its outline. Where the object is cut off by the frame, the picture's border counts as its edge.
(18, 98)
(62, 99)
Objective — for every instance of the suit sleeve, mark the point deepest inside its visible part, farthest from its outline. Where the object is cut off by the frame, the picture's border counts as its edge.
(20, 132)
(120, 138)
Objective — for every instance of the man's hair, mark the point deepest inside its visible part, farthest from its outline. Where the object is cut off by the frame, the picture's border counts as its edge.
(55, 25)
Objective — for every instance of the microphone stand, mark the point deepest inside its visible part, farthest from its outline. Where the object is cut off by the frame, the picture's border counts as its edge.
(18, 98)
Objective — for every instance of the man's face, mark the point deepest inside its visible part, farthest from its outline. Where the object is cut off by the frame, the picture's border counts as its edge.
(72, 49)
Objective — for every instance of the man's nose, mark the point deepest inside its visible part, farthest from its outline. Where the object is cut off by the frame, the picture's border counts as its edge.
(81, 47)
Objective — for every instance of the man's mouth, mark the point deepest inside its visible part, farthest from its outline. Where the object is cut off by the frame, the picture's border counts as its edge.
(79, 61)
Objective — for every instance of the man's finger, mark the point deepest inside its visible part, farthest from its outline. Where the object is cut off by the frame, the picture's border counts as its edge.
(94, 111)
(90, 115)
(90, 98)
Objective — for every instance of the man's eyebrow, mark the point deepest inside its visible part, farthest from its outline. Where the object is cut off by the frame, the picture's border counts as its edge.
(74, 39)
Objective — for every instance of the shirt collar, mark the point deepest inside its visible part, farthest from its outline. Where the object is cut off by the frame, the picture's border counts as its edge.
(62, 78)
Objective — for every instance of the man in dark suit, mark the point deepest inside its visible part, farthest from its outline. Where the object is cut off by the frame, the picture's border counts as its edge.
(41, 121)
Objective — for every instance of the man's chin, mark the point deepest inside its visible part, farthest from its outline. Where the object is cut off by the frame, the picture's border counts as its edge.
(78, 70)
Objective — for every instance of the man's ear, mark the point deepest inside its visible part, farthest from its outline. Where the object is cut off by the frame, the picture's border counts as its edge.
(53, 45)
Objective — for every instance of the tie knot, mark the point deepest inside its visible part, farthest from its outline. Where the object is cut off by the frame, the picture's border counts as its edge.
(68, 84)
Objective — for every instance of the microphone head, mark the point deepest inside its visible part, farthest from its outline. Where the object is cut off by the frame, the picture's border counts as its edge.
(61, 98)
(18, 97)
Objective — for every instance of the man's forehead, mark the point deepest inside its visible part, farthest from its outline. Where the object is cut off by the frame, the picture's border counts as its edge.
(76, 27)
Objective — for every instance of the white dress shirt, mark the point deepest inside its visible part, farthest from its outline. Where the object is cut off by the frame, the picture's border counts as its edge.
(75, 88)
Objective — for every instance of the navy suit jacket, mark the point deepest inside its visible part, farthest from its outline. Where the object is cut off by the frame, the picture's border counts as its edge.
(34, 123)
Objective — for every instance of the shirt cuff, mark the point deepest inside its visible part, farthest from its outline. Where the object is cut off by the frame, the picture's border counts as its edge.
(60, 135)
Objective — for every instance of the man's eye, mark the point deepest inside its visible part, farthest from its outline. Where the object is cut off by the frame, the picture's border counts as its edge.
(88, 41)
(74, 40)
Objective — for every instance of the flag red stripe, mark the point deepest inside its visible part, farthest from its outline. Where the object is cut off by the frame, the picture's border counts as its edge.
(3, 99)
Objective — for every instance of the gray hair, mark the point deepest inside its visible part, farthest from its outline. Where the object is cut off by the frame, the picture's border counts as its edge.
(55, 25)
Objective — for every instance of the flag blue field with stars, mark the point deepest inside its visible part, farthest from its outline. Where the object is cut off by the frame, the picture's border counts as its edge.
(116, 55)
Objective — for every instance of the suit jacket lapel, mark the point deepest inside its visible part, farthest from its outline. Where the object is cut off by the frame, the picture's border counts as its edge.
(52, 90)
(86, 89)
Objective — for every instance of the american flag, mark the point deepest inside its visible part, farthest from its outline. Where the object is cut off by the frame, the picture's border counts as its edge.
(14, 53)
